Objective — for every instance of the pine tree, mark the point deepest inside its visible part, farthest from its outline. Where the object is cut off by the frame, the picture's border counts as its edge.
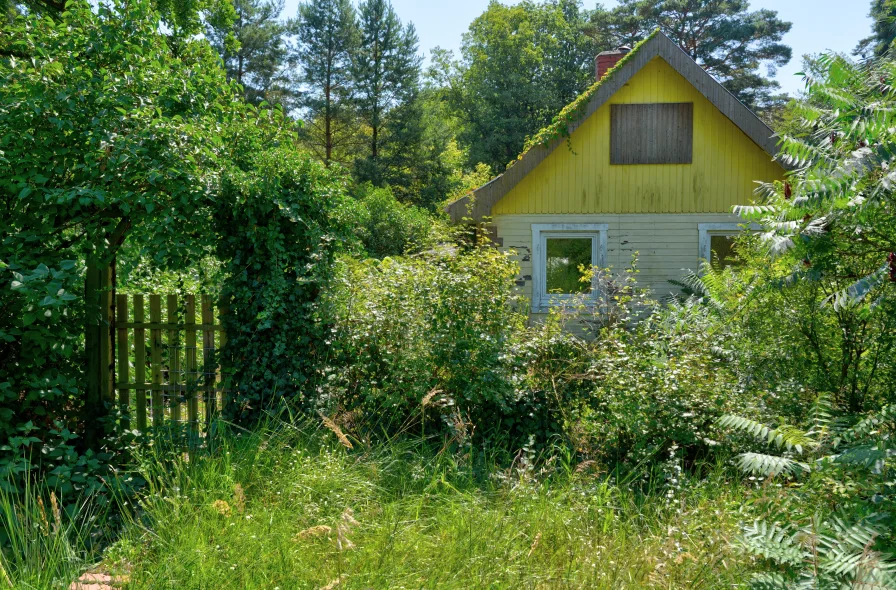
(387, 79)
(253, 48)
(724, 37)
(326, 37)
(883, 13)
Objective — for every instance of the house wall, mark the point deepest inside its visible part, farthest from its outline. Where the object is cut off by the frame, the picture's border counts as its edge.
(726, 163)
(666, 244)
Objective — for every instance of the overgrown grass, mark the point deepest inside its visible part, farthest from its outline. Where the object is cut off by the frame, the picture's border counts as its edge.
(41, 545)
(284, 508)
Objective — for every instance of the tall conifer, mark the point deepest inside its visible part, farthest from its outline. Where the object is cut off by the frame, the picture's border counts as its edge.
(326, 38)
(387, 79)
(253, 48)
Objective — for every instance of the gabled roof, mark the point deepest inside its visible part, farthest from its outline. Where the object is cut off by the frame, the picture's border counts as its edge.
(656, 45)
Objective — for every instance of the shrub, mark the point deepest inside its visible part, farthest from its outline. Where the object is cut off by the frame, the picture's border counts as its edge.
(404, 328)
(275, 232)
(386, 227)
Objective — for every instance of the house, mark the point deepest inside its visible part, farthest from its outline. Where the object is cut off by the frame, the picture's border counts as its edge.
(651, 159)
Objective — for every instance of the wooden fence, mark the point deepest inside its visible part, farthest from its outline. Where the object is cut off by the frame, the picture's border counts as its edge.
(171, 379)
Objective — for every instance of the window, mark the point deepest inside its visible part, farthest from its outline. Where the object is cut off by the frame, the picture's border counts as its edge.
(660, 133)
(717, 241)
(559, 250)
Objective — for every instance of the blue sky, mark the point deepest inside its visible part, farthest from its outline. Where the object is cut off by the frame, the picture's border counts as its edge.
(818, 25)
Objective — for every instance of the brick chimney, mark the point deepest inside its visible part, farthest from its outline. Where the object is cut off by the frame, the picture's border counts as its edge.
(607, 59)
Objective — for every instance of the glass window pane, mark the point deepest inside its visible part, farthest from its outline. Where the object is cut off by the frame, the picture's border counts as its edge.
(564, 256)
(723, 247)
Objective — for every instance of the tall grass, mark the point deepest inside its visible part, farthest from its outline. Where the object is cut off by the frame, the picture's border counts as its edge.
(42, 545)
(287, 508)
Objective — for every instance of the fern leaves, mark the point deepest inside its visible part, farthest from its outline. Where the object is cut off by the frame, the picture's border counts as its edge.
(789, 437)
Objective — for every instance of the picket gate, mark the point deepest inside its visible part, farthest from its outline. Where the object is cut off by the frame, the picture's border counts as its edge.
(166, 371)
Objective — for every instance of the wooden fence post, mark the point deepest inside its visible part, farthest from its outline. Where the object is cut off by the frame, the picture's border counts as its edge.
(98, 341)
(155, 337)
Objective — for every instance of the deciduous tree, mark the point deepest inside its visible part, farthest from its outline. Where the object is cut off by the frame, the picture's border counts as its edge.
(520, 66)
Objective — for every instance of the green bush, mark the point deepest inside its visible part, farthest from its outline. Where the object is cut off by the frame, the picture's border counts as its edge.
(386, 227)
(274, 228)
(423, 336)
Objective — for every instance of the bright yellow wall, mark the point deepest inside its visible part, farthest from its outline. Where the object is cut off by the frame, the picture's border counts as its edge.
(725, 163)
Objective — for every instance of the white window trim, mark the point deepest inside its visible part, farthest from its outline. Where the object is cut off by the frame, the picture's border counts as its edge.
(541, 300)
(707, 230)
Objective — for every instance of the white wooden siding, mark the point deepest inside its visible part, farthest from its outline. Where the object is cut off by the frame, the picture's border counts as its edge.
(667, 244)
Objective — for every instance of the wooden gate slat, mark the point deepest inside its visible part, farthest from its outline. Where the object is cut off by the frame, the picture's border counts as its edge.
(140, 362)
(208, 360)
(174, 352)
(193, 399)
(123, 372)
(155, 316)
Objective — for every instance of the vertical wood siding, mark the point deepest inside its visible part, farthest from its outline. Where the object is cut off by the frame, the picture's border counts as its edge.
(725, 162)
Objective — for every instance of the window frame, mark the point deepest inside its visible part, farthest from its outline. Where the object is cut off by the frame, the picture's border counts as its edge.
(541, 232)
(708, 230)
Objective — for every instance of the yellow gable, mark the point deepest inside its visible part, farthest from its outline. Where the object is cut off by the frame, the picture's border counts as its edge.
(725, 166)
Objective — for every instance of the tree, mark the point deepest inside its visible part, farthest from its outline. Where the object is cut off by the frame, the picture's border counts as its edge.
(730, 42)
(131, 150)
(326, 38)
(520, 66)
(883, 13)
(183, 19)
(253, 48)
(386, 73)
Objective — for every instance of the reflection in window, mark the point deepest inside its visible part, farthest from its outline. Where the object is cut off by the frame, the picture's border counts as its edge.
(564, 257)
(723, 250)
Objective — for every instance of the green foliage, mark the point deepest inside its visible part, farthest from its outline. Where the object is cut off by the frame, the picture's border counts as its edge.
(386, 227)
(386, 76)
(326, 39)
(723, 37)
(284, 507)
(405, 328)
(105, 135)
(574, 111)
(837, 545)
(830, 227)
(520, 65)
(44, 544)
(883, 13)
(253, 48)
(274, 228)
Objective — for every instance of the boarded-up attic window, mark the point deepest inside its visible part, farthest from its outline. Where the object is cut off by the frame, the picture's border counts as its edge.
(661, 133)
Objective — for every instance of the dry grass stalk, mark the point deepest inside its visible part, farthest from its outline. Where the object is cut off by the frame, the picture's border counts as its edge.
(534, 545)
(347, 523)
(427, 399)
(334, 583)
(239, 498)
(57, 511)
(585, 466)
(222, 507)
(43, 516)
(334, 428)
(314, 532)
